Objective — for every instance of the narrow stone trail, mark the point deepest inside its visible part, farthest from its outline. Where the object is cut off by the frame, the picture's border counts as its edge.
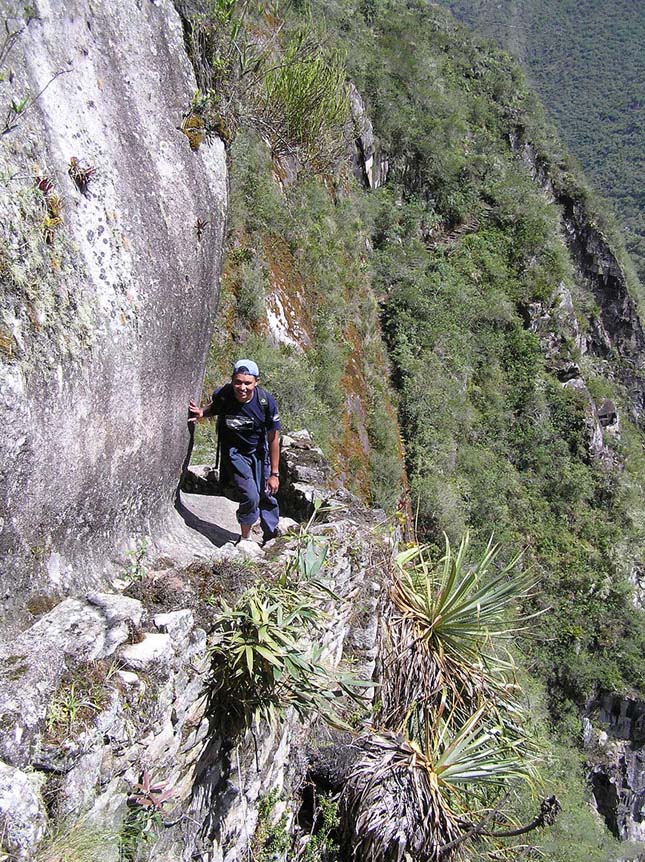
(212, 515)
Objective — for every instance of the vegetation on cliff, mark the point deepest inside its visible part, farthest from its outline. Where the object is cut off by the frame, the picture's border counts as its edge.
(465, 246)
(585, 61)
(463, 251)
(302, 254)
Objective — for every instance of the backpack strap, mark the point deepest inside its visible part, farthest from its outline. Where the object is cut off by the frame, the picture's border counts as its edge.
(223, 394)
(264, 402)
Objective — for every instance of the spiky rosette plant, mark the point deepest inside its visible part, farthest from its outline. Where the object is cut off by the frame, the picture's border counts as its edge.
(452, 738)
(391, 805)
(441, 625)
(413, 801)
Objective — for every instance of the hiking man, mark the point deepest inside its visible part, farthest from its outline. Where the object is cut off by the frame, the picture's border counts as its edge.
(248, 445)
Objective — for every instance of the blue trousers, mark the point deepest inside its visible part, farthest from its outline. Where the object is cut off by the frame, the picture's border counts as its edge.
(249, 474)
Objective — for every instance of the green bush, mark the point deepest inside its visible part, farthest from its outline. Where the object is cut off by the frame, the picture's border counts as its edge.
(265, 655)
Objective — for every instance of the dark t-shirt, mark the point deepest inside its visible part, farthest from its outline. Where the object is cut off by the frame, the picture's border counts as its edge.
(243, 425)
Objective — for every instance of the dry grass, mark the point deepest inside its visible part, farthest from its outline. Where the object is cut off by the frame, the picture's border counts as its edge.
(392, 806)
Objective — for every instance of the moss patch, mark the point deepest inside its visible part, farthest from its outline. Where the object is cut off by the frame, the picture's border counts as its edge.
(42, 319)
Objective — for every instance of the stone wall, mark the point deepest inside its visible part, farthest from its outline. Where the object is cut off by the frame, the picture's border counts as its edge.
(104, 696)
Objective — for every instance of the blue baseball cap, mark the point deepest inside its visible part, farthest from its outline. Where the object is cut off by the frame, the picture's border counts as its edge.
(246, 366)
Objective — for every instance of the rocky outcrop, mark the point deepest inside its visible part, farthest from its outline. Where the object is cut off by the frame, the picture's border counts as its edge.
(617, 331)
(370, 166)
(605, 278)
(618, 772)
(108, 287)
(563, 344)
(103, 701)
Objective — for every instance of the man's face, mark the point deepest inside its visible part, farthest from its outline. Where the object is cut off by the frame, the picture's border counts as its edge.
(243, 386)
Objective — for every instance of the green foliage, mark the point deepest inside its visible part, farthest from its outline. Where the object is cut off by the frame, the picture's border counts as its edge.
(265, 657)
(308, 92)
(136, 569)
(78, 842)
(464, 250)
(457, 609)
(463, 245)
(251, 291)
(420, 798)
(577, 835)
(593, 96)
(83, 692)
(578, 832)
(476, 756)
(255, 73)
(452, 736)
(259, 667)
(143, 820)
(64, 710)
(308, 250)
(322, 845)
(139, 831)
(271, 839)
(445, 676)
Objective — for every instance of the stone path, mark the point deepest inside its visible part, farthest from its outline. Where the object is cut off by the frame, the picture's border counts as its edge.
(211, 515)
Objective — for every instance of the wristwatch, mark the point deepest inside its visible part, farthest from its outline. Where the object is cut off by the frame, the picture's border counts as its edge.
(277, 475)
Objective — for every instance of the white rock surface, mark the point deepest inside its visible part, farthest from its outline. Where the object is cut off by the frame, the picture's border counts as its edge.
(23, 818)
(177, 624)
(287, 525)
(155, 650)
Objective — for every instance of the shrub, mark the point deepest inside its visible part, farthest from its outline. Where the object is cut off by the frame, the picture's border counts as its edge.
(263, 660)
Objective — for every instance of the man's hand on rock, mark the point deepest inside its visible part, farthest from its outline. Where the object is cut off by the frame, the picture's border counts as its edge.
(193, 407)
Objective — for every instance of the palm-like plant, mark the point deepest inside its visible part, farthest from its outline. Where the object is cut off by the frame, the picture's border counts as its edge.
(452, 734)
(407, 801)
(440, 628)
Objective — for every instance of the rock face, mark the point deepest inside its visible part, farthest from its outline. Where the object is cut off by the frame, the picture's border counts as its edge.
(105, 696)
(616, 331)
(556, 326)
(108, 291)
(370, 166)
(618, 776)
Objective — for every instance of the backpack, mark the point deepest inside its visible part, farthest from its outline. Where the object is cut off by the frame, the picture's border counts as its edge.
(223, 395)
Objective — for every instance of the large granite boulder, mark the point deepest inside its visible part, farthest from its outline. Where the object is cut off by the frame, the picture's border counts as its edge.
(110, 250)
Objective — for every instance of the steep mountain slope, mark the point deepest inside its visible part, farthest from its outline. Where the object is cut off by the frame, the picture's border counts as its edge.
(585, 60)
(513, 335)
(509, 321)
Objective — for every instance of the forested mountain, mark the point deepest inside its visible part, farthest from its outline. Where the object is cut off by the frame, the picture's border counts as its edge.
(585, 59)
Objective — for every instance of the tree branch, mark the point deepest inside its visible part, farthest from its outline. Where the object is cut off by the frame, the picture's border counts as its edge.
(549, 810)
(8, 126)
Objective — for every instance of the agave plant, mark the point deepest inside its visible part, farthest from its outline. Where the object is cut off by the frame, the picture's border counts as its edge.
(452, 737)
(440, 628)
(413, 802)
(391, 806)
